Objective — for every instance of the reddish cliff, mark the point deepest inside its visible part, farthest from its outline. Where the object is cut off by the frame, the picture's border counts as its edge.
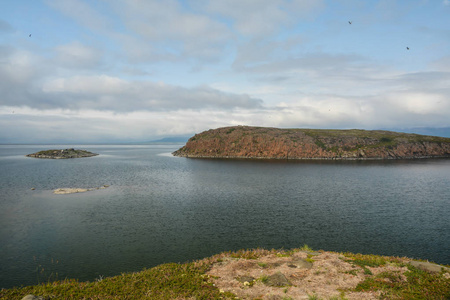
(262, 142)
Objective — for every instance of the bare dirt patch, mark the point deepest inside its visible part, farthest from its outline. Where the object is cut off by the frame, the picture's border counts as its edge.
(322, 274)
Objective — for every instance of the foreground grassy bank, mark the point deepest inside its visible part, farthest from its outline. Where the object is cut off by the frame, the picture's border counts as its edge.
(261, 274)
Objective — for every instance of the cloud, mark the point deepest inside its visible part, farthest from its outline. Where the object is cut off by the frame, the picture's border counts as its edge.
(259, 18)
(82, 13)
(64, 126)
(5, 27)
(108, 93)
(77, 55)
(165, 30)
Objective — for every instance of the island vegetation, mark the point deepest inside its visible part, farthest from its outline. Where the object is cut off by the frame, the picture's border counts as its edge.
(261, 274)
(62, 154)
(276, 143)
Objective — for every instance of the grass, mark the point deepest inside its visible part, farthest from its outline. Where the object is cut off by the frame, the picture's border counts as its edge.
(365, 261)
(418, 285)
(262, 265)
(168, 281)
(264, 279)
(306, 248)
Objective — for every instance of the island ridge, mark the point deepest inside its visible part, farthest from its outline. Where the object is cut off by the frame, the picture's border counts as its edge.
(276, 143)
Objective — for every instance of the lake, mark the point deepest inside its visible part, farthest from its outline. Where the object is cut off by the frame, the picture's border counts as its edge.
(161, 208)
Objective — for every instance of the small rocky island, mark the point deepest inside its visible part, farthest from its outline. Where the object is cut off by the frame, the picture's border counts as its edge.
(276, 143)
(62, 154)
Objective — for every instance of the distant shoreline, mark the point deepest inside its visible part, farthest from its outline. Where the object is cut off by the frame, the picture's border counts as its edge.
(310, 158)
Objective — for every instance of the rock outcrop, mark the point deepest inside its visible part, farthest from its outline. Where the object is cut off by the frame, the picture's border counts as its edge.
(62, 154)
(275, 143)
(63, 191)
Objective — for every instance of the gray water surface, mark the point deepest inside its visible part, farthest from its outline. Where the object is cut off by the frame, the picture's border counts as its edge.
(160, 209)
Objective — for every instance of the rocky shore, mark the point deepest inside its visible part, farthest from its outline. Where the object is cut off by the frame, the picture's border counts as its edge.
(276, 143)
(62, 154)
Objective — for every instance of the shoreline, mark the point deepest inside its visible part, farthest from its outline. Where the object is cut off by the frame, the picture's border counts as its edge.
(309, 158)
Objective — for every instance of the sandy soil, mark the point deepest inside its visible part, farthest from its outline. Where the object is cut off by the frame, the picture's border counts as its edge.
(265, 278)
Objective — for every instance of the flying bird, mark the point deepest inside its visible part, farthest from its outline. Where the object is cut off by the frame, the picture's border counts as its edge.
(407, 48)
(350, 22)
(29, 35)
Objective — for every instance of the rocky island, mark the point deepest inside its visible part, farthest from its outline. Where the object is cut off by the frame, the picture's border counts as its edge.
(62, 154)
(276, 143)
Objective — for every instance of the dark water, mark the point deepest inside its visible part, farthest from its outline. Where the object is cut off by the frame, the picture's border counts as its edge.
(161, 209)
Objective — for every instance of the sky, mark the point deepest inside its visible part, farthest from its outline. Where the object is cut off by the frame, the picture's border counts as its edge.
(97, 71)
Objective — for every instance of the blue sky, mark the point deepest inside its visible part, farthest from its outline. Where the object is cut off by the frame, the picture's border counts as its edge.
(135, 70)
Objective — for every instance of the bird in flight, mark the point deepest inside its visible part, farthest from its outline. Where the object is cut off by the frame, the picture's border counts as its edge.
(407, 48)
(350, 22)
(29, 35)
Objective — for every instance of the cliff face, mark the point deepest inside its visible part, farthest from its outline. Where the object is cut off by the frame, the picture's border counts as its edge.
(261, 142)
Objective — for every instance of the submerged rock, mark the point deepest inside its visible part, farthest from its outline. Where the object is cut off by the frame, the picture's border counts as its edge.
(62, 191)
(62, 154)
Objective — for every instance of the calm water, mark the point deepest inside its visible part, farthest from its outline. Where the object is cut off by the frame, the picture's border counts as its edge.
(161, 209)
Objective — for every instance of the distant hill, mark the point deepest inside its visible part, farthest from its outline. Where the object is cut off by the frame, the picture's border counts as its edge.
(435, 131)
(178, 139)
(276, 143)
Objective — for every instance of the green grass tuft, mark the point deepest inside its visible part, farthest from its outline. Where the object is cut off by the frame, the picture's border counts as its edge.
(418, 285)
(168, 281)
(306, 248)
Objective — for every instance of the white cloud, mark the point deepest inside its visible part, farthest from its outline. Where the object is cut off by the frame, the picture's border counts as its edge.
(422, 103)
(83, 13)
(166, 30)
(94, 85)
(262, 17)
(110, 93)
(77, 55)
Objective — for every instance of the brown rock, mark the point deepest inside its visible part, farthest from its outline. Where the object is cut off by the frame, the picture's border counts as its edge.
(429, 267)
(278, 280)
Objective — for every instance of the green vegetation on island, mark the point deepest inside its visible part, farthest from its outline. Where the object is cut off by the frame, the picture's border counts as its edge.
(62, 154)
(276, 143)
(262, 274)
